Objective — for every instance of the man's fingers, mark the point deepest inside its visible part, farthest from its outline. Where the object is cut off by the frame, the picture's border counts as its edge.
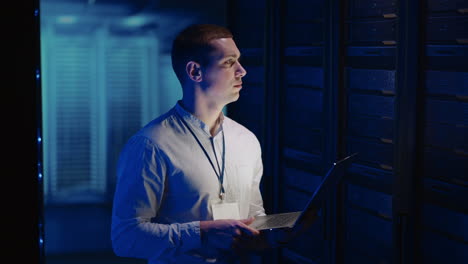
(248, 221)
(249, 230)
(246, 228)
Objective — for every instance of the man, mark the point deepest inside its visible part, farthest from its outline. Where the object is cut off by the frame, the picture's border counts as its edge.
(188, 182)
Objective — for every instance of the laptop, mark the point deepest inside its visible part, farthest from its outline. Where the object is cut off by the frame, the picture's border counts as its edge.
(294, 219)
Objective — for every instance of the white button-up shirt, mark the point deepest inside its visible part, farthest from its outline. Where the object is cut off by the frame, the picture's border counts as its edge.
(166, 185)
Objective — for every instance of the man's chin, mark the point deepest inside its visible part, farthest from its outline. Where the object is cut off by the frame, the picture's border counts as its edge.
(236, 97)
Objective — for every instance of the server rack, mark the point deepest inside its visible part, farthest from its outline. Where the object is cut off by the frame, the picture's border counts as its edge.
(369, 70)
(444, 151)
(307, 135)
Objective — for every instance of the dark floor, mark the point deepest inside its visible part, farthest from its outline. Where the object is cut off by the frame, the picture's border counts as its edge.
(91, 258)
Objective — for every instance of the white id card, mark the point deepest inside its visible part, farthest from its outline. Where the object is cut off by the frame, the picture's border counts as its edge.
(225, 211)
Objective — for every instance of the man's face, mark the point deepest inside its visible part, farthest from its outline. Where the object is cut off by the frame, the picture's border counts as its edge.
(222, 80)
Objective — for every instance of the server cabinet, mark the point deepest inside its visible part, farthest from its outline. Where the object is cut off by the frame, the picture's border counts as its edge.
(304, 126)
(445, 139)
(369, 70)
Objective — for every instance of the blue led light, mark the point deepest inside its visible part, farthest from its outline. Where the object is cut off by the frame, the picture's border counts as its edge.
(39, 141)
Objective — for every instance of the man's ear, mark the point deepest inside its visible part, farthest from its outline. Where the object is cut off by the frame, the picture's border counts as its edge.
(193, 71)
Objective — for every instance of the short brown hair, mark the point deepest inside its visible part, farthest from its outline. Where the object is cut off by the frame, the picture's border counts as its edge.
(192, 44)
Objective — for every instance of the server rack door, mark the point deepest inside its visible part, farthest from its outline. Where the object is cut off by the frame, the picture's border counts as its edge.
(369, 88)
(307, 134)
(445, 141)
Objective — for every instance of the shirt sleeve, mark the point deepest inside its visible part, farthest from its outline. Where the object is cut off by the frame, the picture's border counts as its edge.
(256, 203)
(139, 190)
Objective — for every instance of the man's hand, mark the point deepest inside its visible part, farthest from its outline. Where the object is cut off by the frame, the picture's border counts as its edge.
(226, 234)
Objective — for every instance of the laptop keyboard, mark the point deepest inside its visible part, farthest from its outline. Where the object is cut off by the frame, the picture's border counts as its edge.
(271, 221)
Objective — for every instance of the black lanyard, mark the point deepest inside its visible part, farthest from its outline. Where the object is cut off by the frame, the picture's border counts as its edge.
(220, 175)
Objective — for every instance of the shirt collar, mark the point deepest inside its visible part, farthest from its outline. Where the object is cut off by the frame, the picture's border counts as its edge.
(194, 121)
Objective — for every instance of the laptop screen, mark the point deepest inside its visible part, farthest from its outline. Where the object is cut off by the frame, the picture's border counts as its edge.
(332, 178)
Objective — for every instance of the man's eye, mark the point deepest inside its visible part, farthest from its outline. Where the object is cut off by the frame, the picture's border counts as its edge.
(229, 62)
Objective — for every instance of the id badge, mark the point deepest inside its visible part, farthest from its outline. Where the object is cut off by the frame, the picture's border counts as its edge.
(223, 210)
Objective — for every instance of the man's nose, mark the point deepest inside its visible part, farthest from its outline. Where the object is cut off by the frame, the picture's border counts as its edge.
(241, 72)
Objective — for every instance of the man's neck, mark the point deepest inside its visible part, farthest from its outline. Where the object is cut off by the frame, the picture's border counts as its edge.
(207, 112)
